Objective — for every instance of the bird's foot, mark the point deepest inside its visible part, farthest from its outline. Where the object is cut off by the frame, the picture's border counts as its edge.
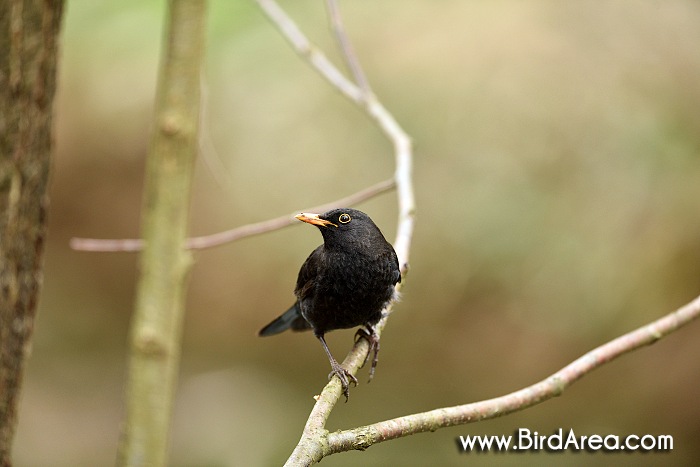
(371, 335)
(344, 376)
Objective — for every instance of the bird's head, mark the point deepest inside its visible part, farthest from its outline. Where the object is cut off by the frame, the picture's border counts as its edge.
(343, 226)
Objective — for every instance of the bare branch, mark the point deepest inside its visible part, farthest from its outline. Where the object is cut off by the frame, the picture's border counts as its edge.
(554, 385)
(286, 220)
(346, 47)
(403, 154)
(314, 431)
(106, 245)
(316, 442)
(392, 130)
(309, 52)
(209, 241)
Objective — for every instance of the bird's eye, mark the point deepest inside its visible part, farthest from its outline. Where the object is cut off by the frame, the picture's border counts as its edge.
(344, 218)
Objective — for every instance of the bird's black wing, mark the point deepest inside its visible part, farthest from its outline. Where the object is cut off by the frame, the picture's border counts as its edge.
(307, 276)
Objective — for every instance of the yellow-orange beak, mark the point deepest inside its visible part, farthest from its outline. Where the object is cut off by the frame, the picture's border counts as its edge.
(311, 218)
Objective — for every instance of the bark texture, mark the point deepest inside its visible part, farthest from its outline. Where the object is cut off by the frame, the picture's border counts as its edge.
(29, 32)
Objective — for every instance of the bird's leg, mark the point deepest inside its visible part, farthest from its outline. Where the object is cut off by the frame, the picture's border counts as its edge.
(373, 338)
(337, 370)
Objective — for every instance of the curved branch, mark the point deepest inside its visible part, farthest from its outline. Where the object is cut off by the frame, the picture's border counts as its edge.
(308, 450)
(403, 150)
(366, 436)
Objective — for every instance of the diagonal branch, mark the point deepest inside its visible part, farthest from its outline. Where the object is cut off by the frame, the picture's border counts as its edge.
(286, 220)
(366, 436)
(227, 236)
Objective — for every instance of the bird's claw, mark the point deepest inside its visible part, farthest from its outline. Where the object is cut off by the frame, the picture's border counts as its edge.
(373, 340)
(345, 378)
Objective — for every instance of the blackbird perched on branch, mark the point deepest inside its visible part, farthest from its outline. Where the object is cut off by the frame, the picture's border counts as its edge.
(345, 282)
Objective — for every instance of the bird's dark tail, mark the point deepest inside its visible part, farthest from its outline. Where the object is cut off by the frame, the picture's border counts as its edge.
(290, 319)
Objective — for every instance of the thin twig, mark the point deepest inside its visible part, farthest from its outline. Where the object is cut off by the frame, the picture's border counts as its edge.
(386, 122)
(554, 385)
(302, 46)
(314, 431)
(107, 245)
(346, 46)
(209, 241)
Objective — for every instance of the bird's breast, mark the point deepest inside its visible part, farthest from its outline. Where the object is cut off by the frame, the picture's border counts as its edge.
(351, 290)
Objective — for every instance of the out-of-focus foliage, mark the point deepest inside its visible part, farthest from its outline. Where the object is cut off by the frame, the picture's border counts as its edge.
(558, 185)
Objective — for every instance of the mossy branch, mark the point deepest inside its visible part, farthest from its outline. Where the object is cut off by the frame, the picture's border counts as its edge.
(164, 263)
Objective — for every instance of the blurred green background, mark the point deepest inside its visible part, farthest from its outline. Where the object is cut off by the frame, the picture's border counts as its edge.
(557, 173)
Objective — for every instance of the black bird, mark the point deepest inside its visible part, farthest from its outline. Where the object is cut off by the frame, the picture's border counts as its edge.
(345, 282)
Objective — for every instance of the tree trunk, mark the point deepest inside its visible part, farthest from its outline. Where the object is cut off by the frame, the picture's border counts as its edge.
(28, 54)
